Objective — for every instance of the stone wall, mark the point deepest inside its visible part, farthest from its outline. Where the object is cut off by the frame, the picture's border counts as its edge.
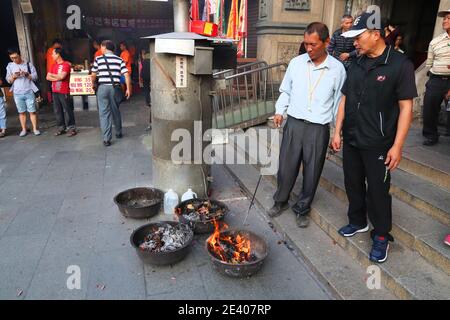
(281, 28)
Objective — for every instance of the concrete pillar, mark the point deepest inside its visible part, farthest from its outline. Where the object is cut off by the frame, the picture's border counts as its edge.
(179, 108)
(23, 32)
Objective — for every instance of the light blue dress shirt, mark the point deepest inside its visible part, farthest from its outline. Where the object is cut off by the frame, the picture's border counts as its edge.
(301, 78)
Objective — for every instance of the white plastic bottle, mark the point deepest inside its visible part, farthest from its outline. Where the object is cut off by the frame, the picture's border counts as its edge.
(170, 201)
(188, 195)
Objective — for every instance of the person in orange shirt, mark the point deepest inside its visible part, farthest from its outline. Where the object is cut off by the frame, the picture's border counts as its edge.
(50, 62)
(126, 57)
(98, 50)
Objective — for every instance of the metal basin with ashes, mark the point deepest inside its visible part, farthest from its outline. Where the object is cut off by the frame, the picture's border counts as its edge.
(139, 203)
(162, 243)
(236, 253)
(201, 214)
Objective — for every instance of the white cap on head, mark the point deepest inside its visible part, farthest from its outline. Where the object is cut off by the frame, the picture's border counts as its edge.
(442, 14)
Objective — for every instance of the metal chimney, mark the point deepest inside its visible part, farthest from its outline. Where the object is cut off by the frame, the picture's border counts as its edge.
(181, 15)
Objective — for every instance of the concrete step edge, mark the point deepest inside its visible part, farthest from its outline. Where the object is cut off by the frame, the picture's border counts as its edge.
(399, 286)
(405, 195)
(408, 238)
(340, 289)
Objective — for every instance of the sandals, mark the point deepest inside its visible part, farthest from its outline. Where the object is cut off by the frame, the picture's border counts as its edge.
(60, 132)
(72, 133)
(2, 134)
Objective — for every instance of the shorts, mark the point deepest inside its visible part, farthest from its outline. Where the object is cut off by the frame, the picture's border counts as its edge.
(25, 102)
(2, 114)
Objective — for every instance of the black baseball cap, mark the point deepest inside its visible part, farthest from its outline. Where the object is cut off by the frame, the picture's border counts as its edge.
(360, 25)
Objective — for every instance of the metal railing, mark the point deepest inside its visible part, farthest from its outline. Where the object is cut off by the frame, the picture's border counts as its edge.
(241, 68)
(246, 96)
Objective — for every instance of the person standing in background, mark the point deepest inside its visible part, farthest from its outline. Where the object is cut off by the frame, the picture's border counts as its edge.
(60, 78)
(50, 62)
(98, 50)
(108, 68)
(126, 57)
(340, 47)
(438, 86)
(2, 112)
(21, 75)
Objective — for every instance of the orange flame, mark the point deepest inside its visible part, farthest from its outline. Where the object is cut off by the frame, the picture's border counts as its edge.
(230, 249)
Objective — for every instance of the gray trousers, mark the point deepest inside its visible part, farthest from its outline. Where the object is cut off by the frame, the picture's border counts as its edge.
(303, 143)
(108, 107)
(61, 106)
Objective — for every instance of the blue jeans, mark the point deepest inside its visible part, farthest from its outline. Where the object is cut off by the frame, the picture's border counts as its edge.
(2, 114)
(108, 101)
(25, 102)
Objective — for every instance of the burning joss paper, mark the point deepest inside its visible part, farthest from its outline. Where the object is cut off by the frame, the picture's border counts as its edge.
(231, 248)
(201, 211)
(166, 238)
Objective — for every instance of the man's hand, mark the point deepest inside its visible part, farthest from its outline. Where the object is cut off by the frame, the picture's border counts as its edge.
(394, 157)
(128, 93)
(344, 56)
(336, 142)
(448, 95)
(278, 120)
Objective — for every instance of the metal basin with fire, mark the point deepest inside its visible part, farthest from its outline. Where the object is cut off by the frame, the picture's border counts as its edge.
(139, 203)
(237, 253)
(201, 214)
(162, 243)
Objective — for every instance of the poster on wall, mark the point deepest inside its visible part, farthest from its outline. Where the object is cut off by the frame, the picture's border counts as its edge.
(181, 72)
(81, 84)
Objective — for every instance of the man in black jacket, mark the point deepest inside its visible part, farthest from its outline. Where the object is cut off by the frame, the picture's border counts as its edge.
(340, 47)
(375, 115)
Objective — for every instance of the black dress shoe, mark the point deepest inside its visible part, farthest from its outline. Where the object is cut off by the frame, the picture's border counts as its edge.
(302, 220)
(430, 142)
(106, 143)
(278, 209)
(300, 210)
(119, 136)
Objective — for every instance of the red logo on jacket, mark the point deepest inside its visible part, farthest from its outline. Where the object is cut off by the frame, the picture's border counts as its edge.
(381, 78)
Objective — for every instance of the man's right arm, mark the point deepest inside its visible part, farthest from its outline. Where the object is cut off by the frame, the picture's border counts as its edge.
(284, 99)
(336, 142)
(9, 75)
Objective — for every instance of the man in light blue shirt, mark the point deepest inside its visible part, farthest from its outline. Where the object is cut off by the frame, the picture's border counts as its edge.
(21, 75)
(310, 94)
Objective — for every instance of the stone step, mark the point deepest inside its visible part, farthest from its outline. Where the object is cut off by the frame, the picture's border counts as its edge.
(407, 274)
(417, 192)
(417, 230)
(334, 267)
(434, 168)
(413, 228)
(429, 163)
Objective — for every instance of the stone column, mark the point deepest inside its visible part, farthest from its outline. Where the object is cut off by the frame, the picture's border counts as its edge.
(281, 25)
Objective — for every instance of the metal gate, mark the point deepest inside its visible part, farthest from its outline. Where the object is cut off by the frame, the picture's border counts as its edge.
(246, 97)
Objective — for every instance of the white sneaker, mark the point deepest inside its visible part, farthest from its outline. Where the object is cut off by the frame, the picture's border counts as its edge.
(23, 133)
(37, 133)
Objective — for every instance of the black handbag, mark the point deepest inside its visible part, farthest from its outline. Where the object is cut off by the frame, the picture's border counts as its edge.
(37, 94)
